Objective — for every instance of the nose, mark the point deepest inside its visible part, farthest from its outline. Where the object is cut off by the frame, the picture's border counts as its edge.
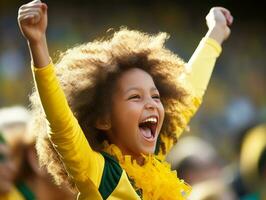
(150, 104)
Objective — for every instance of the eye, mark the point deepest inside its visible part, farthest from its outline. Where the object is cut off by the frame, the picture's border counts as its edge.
(156, 96)
(135, 96)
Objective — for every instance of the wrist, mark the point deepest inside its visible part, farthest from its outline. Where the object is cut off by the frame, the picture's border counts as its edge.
(37, 42)
(216, 33)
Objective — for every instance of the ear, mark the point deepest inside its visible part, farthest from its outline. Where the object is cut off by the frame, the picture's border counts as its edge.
(103, 124)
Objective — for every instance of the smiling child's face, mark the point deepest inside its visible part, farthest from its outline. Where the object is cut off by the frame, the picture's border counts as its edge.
(137, 113)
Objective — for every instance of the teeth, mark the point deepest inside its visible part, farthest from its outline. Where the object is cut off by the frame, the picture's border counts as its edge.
(151, 119)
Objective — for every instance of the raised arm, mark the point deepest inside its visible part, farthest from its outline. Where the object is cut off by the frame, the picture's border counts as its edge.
(202, 62)
(67, 136)
(200, 66)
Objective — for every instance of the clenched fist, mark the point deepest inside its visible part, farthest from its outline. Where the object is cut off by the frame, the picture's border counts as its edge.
(32, 20)
(218, 21)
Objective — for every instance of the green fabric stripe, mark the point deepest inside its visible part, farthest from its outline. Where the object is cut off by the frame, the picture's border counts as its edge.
(138, 191)
(111, 175)
(25, 191)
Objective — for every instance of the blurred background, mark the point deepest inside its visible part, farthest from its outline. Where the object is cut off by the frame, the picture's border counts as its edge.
(235, 101)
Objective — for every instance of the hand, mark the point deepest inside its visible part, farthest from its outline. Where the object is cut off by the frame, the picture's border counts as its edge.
(218, 21)
(32, 20)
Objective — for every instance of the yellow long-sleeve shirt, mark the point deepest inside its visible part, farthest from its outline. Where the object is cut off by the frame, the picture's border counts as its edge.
(97, 175)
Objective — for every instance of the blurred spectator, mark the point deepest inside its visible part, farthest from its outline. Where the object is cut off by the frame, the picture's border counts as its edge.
(195, 160)
(215, 189)
(13, 125)
(7, 168)
(13, 122)
(31, 181)
(247, 171)
(253, 162)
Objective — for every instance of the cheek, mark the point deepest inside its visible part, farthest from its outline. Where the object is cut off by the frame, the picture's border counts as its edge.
(134, 109)
(162, 112)
(126, 113)
(132, 114)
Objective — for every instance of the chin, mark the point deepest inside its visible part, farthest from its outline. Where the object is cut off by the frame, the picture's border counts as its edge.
(148, 150)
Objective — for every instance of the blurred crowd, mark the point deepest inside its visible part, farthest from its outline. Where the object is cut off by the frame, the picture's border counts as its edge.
(20, 174)
(224, 154)
(196, 161)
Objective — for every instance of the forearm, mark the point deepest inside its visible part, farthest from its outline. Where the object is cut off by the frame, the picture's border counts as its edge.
(39, 53)
(198, 73)
(52, 97)
(66, 134)
(201, 64)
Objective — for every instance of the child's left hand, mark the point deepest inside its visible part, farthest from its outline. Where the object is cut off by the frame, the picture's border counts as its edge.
(218, 21)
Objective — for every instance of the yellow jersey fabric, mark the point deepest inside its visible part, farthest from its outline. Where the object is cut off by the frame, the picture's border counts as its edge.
(14, 194)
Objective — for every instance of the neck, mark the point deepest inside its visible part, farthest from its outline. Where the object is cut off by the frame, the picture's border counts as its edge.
(139, 158)
(122, 152)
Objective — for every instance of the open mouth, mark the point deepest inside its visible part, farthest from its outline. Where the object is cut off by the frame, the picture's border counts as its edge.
(148, 128)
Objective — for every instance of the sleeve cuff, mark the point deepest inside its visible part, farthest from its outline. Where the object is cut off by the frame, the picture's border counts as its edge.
(213, 43)
(44, 69)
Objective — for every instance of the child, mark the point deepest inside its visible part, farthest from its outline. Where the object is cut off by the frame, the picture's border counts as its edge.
(127, 101)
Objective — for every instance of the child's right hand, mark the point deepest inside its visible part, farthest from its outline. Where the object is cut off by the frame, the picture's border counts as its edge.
(32, 20)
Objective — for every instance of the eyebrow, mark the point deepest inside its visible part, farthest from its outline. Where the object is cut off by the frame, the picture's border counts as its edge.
(136, 88)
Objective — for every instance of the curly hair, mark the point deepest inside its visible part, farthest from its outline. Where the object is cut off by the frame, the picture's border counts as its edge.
(87, 74)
